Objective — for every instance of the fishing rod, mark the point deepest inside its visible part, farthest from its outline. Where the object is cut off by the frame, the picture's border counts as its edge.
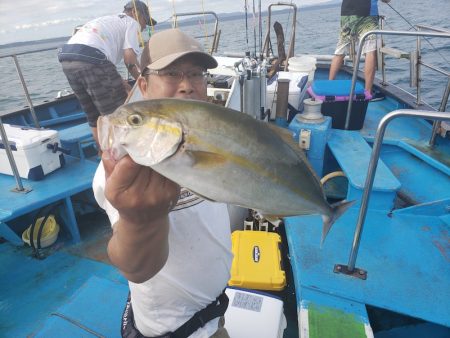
(254, 27)
(260, 28)
(413, 27)
(246, 24)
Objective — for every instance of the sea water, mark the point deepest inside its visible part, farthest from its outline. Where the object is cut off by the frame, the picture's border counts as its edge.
(317, 33)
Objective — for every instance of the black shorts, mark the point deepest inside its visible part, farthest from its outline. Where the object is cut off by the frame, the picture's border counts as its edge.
(98, 87)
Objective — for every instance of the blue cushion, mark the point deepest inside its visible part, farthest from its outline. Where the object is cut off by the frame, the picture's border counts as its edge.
(335, 87)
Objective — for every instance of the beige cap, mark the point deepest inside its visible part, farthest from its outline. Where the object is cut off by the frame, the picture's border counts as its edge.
(169, 45)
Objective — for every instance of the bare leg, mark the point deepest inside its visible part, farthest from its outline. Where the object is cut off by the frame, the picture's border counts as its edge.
(369, 69)
(336, 64)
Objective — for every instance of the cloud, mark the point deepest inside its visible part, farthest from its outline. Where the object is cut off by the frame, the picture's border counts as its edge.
(47, 23)
(25, 20)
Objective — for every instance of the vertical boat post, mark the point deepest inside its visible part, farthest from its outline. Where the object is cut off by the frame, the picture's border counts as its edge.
(350, 268)
(437, 124)
(25, 89)
(358, 57)
(282, 102)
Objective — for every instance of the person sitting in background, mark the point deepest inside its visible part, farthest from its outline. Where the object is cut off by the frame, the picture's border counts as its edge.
(357, 18)
(90, 57)
(176, 255)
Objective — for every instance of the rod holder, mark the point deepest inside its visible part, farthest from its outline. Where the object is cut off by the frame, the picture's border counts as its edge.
(282, 98)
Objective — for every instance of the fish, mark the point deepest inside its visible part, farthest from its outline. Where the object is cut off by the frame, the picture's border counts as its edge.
(221, 155)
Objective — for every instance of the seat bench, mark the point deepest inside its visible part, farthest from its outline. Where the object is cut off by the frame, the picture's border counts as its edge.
(352, 153)
(76, 138)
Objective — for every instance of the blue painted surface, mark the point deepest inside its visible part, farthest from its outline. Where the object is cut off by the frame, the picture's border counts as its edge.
(405, 255)
(75, 139)
(97, 305)
(319, 137)
(13, 204)
(423, 330)
(352, 153)
(33, 289)
(336, 87)
(419, 181)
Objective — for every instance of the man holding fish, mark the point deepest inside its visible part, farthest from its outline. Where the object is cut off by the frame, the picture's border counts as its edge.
(172, 246)
(177, 254)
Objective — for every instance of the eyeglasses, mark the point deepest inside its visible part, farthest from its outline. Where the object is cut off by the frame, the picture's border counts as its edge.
(174, 76)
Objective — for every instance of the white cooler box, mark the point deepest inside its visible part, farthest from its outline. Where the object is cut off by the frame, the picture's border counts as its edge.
(297, 89)
(33, 158)
(254, 314)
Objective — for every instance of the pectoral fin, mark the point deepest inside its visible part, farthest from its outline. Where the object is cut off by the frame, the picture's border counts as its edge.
(205, 160)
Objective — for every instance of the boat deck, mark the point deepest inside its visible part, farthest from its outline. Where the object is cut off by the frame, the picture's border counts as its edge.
(404, 251)
(384, 253)
(71, 290)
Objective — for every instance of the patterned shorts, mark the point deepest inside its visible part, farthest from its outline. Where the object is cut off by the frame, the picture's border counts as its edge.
(99, 88)
(355, 26)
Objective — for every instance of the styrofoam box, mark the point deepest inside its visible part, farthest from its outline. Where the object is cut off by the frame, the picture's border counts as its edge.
(254, 314)
(29, 148)
(294, 91)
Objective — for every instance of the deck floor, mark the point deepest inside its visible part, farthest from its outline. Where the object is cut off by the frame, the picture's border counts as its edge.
(399, 279)
(33, 289)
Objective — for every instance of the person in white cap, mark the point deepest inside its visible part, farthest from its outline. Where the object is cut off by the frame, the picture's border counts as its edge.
(90, 57)
(173, 246)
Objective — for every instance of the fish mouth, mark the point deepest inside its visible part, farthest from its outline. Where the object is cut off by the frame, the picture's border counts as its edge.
(147, 144)
(109, 136)
(103, 131)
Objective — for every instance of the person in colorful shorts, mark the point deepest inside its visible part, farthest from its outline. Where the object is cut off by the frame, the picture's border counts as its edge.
(357, 18)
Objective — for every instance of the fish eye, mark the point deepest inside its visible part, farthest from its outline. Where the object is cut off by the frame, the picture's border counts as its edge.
(134, 119)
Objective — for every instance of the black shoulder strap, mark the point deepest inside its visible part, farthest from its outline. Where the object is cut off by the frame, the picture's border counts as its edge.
(216, 309)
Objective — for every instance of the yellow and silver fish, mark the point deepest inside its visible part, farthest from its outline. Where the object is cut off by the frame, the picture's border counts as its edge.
(219, 154)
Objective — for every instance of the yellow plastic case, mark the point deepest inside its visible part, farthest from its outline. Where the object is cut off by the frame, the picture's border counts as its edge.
(257, 261)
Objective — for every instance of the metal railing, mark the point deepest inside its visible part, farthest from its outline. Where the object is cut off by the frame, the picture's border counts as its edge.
(215, 35)
(429, 115)
(46, 47)
(417, 60)
(267, 43)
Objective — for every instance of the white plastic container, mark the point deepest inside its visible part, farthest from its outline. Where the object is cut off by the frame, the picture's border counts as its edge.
(294, 91)
(254, 314)
(303, 63)
(29, 148)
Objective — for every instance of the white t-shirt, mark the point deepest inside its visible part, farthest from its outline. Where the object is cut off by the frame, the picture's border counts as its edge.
(110, 34)
(197, 269)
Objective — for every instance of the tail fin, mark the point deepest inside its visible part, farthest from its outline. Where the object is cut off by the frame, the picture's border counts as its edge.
(338, 209)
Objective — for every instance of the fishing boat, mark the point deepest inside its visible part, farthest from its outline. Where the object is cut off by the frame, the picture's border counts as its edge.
(383, 270)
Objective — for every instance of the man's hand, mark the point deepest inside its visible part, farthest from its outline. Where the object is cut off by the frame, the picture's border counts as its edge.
(139, 193)
(131, 62)
(139, 246)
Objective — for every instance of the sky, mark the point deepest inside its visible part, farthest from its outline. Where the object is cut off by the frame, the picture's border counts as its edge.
(27, 20)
